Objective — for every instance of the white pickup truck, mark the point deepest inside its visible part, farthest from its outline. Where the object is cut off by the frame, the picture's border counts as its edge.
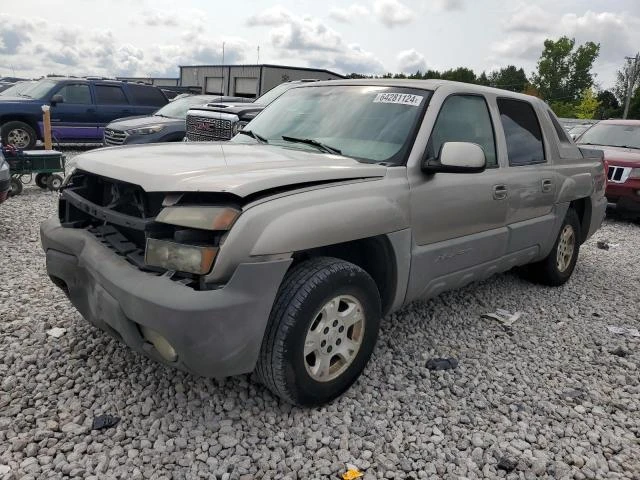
(281, 250)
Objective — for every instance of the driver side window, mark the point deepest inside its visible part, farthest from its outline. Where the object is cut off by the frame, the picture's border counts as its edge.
(464, 118)
(75, 94)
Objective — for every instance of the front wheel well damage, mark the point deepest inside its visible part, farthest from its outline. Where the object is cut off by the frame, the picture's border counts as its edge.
(374, 255)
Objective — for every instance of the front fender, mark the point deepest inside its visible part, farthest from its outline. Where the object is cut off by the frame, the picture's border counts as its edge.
(315, 218)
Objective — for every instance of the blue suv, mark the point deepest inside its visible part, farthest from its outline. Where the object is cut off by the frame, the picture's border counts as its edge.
(80, 108)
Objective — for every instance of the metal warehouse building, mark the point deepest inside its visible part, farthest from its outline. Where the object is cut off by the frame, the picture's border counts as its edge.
(246, 80)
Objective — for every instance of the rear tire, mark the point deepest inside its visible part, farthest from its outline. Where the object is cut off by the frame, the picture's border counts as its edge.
(41, 180)
(18, 134)
(15, 187)
(54, 182)
(321, 332)
(558, 266)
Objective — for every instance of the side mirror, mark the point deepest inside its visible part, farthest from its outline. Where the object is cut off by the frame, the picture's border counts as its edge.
(57, 98)
(457, 157)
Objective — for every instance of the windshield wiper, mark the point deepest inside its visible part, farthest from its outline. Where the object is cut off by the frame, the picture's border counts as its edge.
(310, 141)
(630, 146)
(254, 135)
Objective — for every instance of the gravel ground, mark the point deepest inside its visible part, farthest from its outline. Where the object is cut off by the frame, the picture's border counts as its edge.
(547, 395)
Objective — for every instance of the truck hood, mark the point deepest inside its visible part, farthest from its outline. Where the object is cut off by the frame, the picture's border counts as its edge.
(241, 169)
(241, 110)
(128, 123)
(626, 157)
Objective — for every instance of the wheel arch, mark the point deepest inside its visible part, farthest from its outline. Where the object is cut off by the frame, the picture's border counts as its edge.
(583, 208)
(21, 117)
(375, 255)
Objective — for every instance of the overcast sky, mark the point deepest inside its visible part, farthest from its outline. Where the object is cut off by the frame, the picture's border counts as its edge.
(151, 38)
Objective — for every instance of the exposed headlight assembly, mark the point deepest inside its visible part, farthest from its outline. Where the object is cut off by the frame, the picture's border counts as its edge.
(203, 218)
(635, 173)
(146, 130)
(179, 257)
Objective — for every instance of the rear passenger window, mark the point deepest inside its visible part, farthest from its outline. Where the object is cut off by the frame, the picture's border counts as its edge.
(464, 118)
(522, 132)
(110, 95)
(562, 133)
(147, 96)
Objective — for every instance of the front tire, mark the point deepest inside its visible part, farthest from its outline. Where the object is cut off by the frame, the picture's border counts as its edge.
(558, 266)
(321, 331)
(19, 134)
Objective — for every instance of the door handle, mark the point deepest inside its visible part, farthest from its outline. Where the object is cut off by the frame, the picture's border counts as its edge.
(547, 185)
(500, 192)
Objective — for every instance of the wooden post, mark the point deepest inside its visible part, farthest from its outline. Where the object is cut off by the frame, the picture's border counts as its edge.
(46, 122)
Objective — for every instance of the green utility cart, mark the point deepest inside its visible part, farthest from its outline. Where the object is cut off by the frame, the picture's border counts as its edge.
(45, 167)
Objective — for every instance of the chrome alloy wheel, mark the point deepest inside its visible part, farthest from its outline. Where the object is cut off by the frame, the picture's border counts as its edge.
(334, 338)
(566, 246)
(19, 138)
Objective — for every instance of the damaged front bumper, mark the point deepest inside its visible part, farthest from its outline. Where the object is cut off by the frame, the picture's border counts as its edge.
(213, 333)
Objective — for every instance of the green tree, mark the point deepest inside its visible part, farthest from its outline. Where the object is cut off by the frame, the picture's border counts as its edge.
(460, 74)
(430, 74)
(634, 106)
(565, 71)
(483, 79)
(609, 105)
(563, 109)
(588, 106)
(509, 78)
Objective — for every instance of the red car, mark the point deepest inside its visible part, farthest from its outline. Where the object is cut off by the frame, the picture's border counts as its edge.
(620, 141)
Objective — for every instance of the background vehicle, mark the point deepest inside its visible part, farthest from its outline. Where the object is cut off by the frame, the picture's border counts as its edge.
(17, 88)
(165, 125)
(620, 142)
(281, 250)
(221, 121)
(80, 108)
(5, 177)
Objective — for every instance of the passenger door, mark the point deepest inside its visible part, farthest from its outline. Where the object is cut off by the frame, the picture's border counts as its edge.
(530, 179)
(458, 219)
(111, 103)
(74, 119)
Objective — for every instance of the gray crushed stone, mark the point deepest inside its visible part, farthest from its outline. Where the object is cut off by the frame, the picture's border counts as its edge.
(546, 398)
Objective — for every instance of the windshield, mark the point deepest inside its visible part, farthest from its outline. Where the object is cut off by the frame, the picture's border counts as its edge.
(179, 107)
(40, 89)
(274, 93)
(370, 123)
(17, 89)
(614, 135)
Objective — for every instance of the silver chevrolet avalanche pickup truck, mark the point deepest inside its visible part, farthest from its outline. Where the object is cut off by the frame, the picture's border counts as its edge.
(280, 252)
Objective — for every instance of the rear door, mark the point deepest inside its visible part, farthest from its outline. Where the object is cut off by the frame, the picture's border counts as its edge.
(530, 179)
(145, 99)
(111, 103)
(74, 119)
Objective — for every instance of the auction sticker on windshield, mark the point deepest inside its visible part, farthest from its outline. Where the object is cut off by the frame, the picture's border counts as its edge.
(399, 98)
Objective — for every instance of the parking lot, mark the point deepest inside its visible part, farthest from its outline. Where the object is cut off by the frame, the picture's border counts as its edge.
(555, 395)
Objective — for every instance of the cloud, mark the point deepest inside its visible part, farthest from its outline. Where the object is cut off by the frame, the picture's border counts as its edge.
(160, 19)
(271, 17)
(311, 40)
(528, 28)
(449, 5)
(348, 14)
(69, 50)
(529, 19)
(410, 61)
(15, 32)
(392, 13)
